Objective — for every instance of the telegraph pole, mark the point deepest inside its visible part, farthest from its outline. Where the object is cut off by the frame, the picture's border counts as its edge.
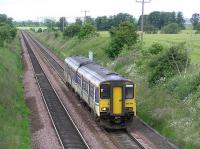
(142, 19)
(85, 13)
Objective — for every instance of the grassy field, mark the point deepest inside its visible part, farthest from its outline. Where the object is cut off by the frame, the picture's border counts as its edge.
(188, 37)
(14, 114)
(174, 118)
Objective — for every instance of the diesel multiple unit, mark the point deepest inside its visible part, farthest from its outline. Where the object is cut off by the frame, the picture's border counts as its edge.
(110, 96)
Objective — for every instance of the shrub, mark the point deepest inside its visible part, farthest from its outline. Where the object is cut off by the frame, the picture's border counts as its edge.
(124, 34)
(183, 87)
(39, 30)
(167, 64)
(72, 30)
(172, 28)
(7, 33)
(155, 48)
(56, 34)
(87, 30)
(13, 32)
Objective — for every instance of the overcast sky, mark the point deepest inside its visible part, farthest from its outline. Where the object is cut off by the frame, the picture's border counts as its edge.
(33, 9)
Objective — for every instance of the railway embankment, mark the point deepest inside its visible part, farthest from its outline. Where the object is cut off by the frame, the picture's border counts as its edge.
(14, 114)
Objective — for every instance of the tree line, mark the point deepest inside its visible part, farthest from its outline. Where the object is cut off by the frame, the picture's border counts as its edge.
(158, 20)
(7, 29)
(167, 22)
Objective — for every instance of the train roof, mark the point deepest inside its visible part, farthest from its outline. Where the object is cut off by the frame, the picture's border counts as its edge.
(77, 61)
(95, 70)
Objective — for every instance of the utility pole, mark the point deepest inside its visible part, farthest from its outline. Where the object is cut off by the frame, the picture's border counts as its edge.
(85, 14)
(142, 19)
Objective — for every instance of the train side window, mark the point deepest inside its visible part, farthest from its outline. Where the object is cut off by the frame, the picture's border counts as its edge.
(129, 92)
(105, 91)
(96, 95)
(91, 91)
(79, 79)
(85, 86)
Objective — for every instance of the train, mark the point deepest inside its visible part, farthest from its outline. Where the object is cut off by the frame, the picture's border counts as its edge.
(110, 96)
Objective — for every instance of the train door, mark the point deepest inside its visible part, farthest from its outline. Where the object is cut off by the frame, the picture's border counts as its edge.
(117, 100)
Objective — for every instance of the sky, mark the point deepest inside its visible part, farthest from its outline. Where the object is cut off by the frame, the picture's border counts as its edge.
(37, 9)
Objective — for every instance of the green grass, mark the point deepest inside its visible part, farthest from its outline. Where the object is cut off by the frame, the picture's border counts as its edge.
(192, 42)
(174, 118)
(14, 114)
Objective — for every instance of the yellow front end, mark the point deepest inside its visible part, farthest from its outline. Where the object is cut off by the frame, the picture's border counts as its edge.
(117, 103)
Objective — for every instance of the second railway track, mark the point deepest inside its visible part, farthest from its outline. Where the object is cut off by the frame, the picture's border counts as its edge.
(66, 129)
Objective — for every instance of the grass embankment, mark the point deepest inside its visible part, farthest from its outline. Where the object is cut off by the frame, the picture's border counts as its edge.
(159, 106)
(14, 114)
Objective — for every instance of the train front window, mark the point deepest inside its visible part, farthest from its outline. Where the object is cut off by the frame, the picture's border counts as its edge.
(129, 92)
(105, 91)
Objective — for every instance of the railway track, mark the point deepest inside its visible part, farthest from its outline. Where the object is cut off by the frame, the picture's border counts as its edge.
(67, 132)
(122, 137)
(125, 140)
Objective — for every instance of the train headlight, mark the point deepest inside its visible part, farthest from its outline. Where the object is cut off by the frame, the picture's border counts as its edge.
(104, 109)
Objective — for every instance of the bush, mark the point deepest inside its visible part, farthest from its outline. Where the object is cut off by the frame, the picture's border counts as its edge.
(13, 32)
(7, 33)
(183, 87)
(56, 34)
(72, 30)
(124, 34)
(167, 64)
(39, 30)
(87, 31)
(172, 28)
(155, 48)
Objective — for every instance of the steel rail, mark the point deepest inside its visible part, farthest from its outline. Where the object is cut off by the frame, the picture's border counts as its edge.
(66, 130)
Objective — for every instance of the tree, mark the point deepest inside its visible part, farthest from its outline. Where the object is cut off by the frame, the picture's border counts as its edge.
(78, 21)
(172, 18)
(195, 20)
(161, 19)
(123, 35)
(89, 20)
(72, 30)
(168, 63)
(172, 28)
(7, 29)
(87, 31)
(62, 23)
(102, 23)
(154, 19)
(180, 20)
(115, 20)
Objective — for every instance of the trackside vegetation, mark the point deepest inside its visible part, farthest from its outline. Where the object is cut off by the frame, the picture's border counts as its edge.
(14, 114)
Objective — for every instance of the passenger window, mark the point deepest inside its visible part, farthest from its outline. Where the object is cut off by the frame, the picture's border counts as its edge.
(85, 86)
(91, 91)
(105, 91)
(96, 95)
(78, 79)
(129, 92)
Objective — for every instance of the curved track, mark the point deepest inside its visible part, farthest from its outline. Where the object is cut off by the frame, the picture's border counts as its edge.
(67, 132)
(122, 137)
